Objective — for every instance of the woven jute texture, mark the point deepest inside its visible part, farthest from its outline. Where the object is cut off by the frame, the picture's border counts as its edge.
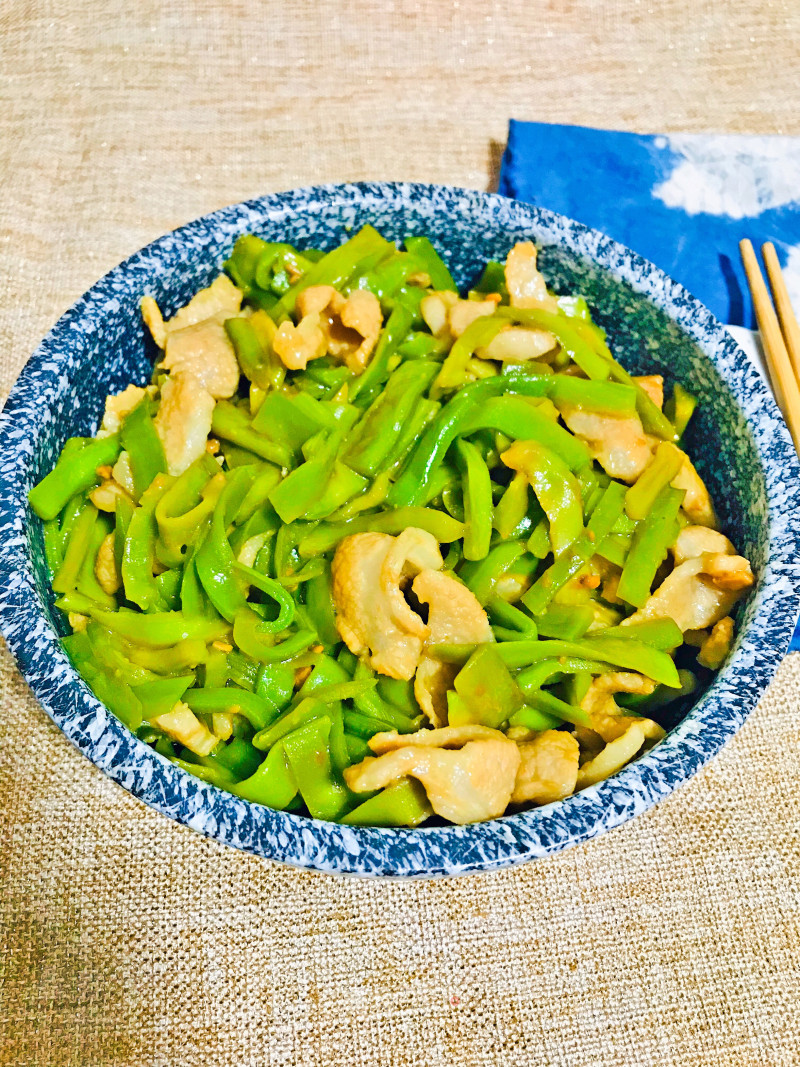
(132, 941)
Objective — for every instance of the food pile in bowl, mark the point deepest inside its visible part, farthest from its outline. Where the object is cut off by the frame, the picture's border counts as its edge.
(374, 551)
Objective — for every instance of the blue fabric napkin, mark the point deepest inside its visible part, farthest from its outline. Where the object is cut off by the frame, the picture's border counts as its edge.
(683, 201)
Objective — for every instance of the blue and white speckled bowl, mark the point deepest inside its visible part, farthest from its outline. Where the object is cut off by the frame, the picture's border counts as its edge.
(738, 440)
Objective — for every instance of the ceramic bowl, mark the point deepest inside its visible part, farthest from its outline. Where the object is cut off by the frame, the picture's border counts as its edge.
(737, 440)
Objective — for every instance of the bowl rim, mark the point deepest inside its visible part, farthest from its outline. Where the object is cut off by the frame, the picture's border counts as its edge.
(421, 852)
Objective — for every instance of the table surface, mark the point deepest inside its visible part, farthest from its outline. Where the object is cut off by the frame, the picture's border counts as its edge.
(130, 940)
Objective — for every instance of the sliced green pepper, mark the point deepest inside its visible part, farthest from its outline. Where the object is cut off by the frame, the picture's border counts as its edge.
(259, 711)
(139, 554)
(488, 694)
(74, 473)
(273, 784)
(77, 548)
(378, 433)
(657, 475)
(184, 507)
(680, 408)
(140, 440)
(482, 577)
(308, 753)
(232, 424)
(325, 537)
(477, 490)
(404, 803)
(649, 547)
(580, 552)
(555, 487)
(512, 508)
(334, 268)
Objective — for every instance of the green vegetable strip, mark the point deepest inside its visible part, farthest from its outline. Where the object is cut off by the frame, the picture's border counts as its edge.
(309, 757)
(567, 332)
(533, 719)
(288, 649)
(275, 684)
(252, 342)
(292, 420)
(273, 784)
(507, 615)
(628, 653)
(162, 694)
(482, 577)
(399, 693)
(657, 475)
(242, 267)
(232, 424)
(78, 545)
(383, 423)
(549, 670)
(423, 415)
(184, 507)
(565, 622)
(555, 487)
(145, 452)
(512, 507)
(412, 485)
(305, 711)
(477, 335)
(287, 608)
(333, 269)
(606, 398)
(362, 726)
(238, 756)
(542, 701)
(256, 498)
(214, 560)
(367, 501)
(443, 527)
(431, 262)
(649, 547)
(259, 712)
(342, 486)
(539, 540)
(493, 279)
(567, 565)
(68, 518)
(518, 419)
(139, 554)
(404, 803)
(319, 607)
(318, 486)
(394, 330)
(615, 548)
(87, 581)
(680, 408)
(487, 693)
(660, 633)
(477, 489)
(157, 630)
(73, 473)
(53, 553)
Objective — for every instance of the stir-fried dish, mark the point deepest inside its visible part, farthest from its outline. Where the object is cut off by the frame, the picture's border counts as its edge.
(373, 551)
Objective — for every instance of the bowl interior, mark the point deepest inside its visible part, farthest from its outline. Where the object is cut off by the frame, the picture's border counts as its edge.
(101, 346)
(642, 336)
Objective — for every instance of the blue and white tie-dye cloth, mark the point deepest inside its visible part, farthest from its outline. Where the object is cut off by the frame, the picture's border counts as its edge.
(683, 201)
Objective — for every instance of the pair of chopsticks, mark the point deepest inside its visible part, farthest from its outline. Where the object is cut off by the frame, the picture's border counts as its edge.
(780, 333)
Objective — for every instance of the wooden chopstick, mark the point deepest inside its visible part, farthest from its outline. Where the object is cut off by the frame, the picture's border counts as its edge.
(780, 296)
(781, 372)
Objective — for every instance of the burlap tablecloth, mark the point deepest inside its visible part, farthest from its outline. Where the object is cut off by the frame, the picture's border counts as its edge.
(133, 941)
